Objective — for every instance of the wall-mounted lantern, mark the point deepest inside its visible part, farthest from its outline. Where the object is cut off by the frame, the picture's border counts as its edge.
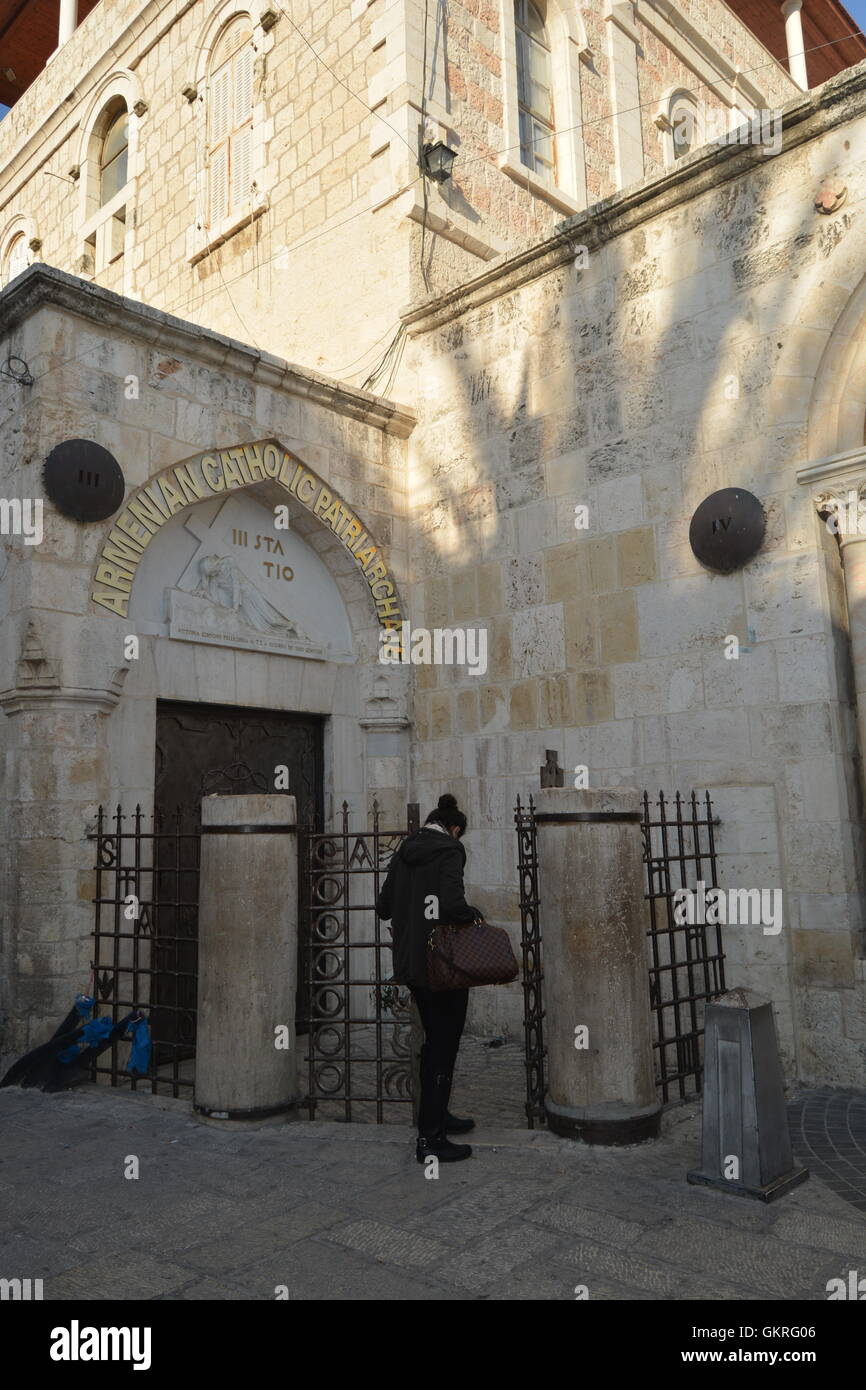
(436, 161)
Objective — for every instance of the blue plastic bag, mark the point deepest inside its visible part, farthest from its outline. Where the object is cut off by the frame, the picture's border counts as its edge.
(139, 1053)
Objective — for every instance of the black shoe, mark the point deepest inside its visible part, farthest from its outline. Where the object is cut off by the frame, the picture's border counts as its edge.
(437, 1146)
(453, 1125)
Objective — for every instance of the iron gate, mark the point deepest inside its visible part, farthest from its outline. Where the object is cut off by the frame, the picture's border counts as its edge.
(362, 1030)
(359, 1046)
(687, 962)
(530, 943)
(145, 948)
(363, 1033)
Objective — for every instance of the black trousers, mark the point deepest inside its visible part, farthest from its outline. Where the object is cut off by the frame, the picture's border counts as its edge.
(443, 1014)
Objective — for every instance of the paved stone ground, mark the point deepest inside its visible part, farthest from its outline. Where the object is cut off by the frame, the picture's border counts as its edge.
(828, 1129)
(343, 1212)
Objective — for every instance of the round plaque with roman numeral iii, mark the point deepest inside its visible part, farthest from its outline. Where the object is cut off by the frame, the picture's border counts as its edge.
(727, 529)
(83, 480)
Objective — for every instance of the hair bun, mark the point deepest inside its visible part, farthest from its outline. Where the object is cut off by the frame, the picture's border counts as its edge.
(447, 802)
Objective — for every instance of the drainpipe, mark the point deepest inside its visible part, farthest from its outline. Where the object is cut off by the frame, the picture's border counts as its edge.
(791, 12)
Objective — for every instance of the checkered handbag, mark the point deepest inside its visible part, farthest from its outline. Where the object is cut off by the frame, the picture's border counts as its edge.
(466, 956)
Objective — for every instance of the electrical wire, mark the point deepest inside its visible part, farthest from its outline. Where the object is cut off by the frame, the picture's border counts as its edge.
(508, 149)
(238, 314)
(646, 105)
(339, 370)
(387, 367)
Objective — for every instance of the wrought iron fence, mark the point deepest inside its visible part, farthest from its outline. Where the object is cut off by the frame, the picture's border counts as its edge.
(145, 950)
(530, 943)
(363, 1031)
(687, 962)
(360, 1039)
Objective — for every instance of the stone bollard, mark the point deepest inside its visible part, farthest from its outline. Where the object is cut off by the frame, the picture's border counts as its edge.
(247, 958)
(591, 884)
(746, 1147)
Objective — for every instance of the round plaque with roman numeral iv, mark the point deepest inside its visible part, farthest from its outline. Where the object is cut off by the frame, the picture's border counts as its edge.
(83, 480)
(727, 529)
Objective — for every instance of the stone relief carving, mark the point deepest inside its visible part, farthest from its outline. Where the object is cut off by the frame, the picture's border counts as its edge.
(34, 668)
(225, 586)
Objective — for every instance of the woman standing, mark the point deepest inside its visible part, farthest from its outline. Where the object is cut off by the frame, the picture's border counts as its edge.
(424, 885)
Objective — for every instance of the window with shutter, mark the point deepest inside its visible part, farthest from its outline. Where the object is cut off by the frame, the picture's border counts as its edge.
(219, 169)
(243, 86)
(230, 123)
(220, 110)
(242, 142)
(241, 161)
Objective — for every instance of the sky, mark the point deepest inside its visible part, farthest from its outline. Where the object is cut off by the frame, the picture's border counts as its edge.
(857, 9)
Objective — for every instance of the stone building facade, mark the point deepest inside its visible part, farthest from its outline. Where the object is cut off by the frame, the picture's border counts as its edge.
(709, 342)
(617, 327)
(81, 707)
(329, 104)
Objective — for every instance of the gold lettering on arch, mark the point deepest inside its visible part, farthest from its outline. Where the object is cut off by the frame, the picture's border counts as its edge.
(216, 473)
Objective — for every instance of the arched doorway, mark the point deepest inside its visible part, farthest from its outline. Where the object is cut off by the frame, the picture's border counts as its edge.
(252, 611)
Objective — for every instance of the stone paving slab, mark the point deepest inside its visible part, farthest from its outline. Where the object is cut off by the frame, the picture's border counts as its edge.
(327, 1272)
(343, 1212)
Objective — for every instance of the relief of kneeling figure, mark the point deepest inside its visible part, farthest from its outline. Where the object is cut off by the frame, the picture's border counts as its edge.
(227, 586)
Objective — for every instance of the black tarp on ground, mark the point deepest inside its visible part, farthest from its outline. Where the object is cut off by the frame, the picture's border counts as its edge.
(43, 1068)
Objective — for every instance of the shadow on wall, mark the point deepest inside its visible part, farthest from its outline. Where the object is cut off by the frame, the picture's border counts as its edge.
(637, 387)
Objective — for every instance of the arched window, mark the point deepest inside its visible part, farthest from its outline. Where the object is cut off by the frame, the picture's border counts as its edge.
(543, 46)
(230, 122)
(16, 259)
(108, 153)
(684, 125)
(106, 177)
(114, 157)
(534, 90)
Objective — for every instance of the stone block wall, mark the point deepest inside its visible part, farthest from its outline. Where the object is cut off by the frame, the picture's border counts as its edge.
(266, 283)
(676, 364)
(335, 246)
(77, 727)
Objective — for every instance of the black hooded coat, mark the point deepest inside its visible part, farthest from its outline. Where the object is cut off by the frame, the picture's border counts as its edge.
(427, 866)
